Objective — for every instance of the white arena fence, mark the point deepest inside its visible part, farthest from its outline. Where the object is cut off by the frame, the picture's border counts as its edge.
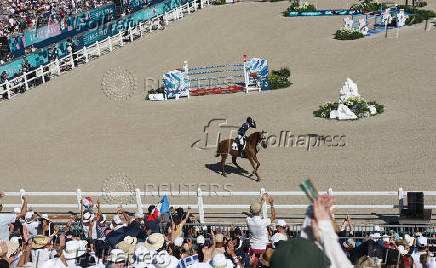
(138, 196)
(57, 67)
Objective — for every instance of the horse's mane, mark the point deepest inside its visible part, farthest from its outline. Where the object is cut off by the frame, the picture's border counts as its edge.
(253, 136)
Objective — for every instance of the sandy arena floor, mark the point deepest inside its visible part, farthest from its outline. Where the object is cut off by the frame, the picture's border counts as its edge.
(67, 134)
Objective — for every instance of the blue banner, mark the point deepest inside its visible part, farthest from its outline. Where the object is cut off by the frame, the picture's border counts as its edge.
(66, 28)
(89, 38)
(334, 12)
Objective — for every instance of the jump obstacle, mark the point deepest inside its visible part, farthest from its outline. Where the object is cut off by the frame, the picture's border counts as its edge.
(251, 75)
(381, 20)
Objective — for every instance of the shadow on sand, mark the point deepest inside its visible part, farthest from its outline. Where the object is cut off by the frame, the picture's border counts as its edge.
(230, 169)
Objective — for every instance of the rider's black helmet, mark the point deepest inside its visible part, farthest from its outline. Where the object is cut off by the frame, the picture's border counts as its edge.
(251, 122)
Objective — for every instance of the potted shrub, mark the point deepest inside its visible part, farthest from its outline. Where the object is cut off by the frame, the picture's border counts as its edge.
(156, 94)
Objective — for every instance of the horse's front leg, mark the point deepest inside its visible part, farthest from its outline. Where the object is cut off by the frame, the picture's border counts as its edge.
(234, 162)
(257, 162)
(254, 167)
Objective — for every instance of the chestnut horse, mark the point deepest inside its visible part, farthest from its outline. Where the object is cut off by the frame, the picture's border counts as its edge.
(250, 151)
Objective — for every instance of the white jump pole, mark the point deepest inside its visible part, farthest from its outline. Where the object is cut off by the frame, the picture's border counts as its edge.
(186, 70)
(246, 78)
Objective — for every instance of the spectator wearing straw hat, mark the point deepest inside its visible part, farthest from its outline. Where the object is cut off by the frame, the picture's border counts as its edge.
(9, 250)
(40, 250)
(219, 247)
(257, 227)
(155, 242)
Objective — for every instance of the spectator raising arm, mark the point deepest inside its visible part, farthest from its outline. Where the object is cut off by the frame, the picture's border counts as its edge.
(98, 210)
(325, 232)
(183, 222)
(122, 211)
(23, 208)
(273, 211)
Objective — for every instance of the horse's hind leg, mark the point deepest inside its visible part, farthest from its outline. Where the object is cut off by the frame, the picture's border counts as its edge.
(223, 163)
(234, 161)
(254, 168)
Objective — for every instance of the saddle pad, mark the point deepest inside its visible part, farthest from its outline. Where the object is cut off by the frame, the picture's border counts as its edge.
(235, 146)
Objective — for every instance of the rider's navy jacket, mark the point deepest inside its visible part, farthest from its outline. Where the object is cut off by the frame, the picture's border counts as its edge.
(243, 129)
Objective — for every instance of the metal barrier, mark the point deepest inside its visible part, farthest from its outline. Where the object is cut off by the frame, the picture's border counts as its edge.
(201, 206)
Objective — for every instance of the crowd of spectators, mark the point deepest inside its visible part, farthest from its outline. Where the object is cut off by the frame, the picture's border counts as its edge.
(19, 16)
(171, 239)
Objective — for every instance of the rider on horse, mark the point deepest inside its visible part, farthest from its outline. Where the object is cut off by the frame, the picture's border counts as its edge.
(241, 133)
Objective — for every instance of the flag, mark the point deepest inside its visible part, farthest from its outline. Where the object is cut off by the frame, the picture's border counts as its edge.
(188, 262)
(162, 207)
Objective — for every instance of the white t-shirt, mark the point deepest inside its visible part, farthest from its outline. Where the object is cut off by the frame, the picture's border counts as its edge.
(257, 229)
(416, 258)
(40, 256)
(5, 220)
(32, 227)
(53, 263)
(278, 237)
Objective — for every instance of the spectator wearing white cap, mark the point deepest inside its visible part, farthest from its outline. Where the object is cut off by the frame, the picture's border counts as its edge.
(281, 234)
(8, 218)
(200, 240)
(117, 258)
(164, 260)
(257, 226)
(220, 261)
(31, 223)
(420, 248)
(143, 257)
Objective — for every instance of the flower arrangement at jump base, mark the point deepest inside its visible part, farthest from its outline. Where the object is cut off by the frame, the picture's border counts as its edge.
(303, 6)
(348, 34)
(279, 79)
(351, 105)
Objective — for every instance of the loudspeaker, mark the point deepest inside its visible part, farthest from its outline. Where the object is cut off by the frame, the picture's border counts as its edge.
(415, 204)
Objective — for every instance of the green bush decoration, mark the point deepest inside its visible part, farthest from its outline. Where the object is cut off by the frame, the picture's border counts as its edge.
(280, 79)
(348, 34)
(304, 6)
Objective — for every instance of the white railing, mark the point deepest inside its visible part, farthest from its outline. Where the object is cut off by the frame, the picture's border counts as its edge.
(67, 63)
(201, 206)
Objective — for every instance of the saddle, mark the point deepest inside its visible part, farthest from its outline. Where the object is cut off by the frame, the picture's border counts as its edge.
(237, 147)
